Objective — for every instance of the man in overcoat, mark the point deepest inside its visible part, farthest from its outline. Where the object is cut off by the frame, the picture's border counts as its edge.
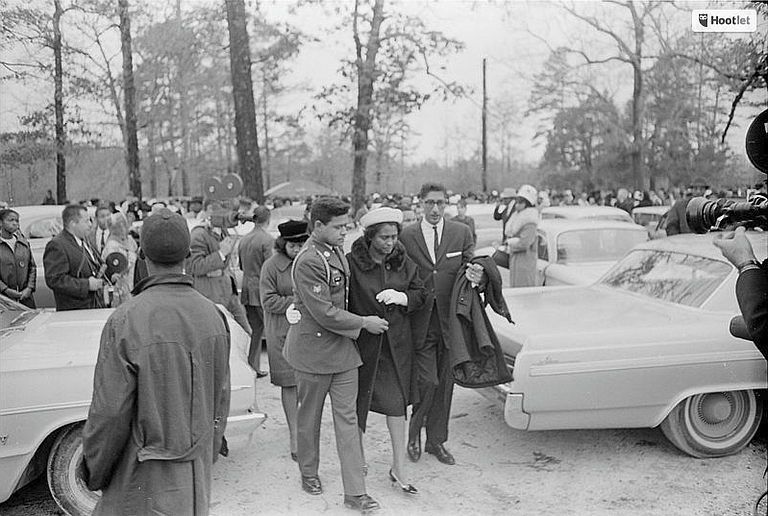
(72, 268)
(161, 389)
(323, 354)
(440, 248)
(208, 264)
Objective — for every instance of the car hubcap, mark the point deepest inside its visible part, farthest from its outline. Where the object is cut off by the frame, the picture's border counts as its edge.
(718, 416)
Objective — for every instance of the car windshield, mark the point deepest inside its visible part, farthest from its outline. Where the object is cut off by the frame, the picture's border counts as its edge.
(594, 245)
(675, 277)
(13, 314)
(44, 228)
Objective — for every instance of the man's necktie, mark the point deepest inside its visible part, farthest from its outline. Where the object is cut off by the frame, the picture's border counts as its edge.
(101, 244)
(435, 242)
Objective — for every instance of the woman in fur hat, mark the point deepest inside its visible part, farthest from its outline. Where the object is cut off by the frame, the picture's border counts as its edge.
(521, 238)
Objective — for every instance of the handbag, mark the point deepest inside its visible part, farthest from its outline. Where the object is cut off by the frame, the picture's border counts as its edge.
(501, 257)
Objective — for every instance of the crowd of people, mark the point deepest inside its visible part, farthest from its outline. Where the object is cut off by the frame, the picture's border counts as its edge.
(375, 329)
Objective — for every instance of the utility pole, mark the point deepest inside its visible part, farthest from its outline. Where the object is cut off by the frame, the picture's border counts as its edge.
(485, 134)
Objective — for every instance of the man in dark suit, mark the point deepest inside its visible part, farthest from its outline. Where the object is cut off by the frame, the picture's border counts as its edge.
(440, 248)
(99, 234)
(253, 251)
(72, 268)
(322, 351)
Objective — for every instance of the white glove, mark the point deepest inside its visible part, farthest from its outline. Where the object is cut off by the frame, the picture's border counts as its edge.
(511, 243)
(391, 296)
(293, 315)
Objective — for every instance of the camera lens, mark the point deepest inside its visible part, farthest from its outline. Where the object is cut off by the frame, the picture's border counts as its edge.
(702, 214)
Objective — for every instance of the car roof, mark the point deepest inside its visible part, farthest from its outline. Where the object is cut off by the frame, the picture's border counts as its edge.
(577, 212)
(660, 210)
(701, 245)
(562, 225)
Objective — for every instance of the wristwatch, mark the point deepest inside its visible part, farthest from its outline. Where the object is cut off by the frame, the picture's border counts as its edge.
(748, 265)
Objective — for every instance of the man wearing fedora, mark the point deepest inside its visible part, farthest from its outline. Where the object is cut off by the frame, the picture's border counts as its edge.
(160, 390)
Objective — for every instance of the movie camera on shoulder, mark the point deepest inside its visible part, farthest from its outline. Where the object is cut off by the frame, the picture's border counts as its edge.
(703, 215)
(221, 190)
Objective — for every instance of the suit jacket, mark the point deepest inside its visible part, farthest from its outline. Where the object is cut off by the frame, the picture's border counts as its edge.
(752, 294)
(322, 342)
(210, 273)
(455, 250)
(67, 269)
(253, 251)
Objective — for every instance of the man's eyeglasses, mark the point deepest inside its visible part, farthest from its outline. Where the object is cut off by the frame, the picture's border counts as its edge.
(429, 203)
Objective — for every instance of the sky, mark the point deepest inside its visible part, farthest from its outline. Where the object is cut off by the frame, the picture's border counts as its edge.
(514, 38)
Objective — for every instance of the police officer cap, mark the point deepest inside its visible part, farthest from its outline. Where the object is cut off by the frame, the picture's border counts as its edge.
(380, 215)
(165, 237)
(293, 230)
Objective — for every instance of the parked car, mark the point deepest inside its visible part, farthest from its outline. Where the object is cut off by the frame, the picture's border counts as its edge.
(579, 251)
(586, 212)
(650, 218)
(47, 362)
(647, 345)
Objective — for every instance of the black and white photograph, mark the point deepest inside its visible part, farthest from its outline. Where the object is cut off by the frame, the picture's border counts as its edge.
(407, 257)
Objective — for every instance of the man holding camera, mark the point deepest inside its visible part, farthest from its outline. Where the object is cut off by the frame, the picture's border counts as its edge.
(208, 264)
(751, 286)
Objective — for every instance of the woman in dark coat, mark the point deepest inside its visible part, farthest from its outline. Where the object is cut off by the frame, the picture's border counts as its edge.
(385, 282)
(276, 291)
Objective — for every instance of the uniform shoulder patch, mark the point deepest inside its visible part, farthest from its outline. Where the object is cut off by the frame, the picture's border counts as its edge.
(317, 288)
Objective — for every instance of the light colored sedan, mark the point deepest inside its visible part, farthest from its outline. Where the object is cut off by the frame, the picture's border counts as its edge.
(647, 345)
(578, 251)
(47, 361)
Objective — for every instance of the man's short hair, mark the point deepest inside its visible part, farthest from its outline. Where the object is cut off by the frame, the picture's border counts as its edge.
(432, 187)
(103, 207)
(326, 208)
(5, 212)
(462, 202)
(261, 214)
(71, 213)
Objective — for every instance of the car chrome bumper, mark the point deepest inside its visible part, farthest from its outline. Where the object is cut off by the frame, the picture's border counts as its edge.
(514, 415)
(244, 424)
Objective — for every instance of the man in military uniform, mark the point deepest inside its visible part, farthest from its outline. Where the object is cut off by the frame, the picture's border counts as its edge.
(322, 351)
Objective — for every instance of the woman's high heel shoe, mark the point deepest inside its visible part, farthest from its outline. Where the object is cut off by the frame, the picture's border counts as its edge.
(407, 489)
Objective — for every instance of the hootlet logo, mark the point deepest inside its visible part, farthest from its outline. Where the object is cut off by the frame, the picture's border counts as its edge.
(724, 20)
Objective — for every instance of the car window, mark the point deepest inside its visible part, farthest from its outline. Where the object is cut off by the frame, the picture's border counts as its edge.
(676, 277)
(593, 245)
(43, 228)
(543, 251)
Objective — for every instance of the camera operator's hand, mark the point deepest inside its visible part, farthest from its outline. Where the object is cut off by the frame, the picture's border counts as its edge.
(735, 246)
(95, 284)
(226, 245)
(375, 324)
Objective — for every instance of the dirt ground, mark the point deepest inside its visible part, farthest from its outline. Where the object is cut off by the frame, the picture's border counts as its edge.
(498, 471)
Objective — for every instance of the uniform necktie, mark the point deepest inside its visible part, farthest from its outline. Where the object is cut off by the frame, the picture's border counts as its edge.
(435, 242)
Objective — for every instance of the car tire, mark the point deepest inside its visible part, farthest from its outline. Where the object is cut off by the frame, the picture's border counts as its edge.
(714, 424)
(67, 487)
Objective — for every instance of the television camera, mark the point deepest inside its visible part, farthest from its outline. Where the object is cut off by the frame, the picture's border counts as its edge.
(704, 215)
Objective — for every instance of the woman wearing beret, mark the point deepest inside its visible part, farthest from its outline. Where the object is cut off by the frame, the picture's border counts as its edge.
(276, 291)
(385, 282)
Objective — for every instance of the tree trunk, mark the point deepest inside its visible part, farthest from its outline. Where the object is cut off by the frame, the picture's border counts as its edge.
(638, 95)
(131, 136)
(245, 110)
(366, 75)
(152, 155)
(58, 101)
(181, 83)
(267, 170)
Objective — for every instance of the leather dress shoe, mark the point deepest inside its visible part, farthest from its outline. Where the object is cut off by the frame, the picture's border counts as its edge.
(312, 485)
(361, 502)
(440, 453)
(414, 450)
